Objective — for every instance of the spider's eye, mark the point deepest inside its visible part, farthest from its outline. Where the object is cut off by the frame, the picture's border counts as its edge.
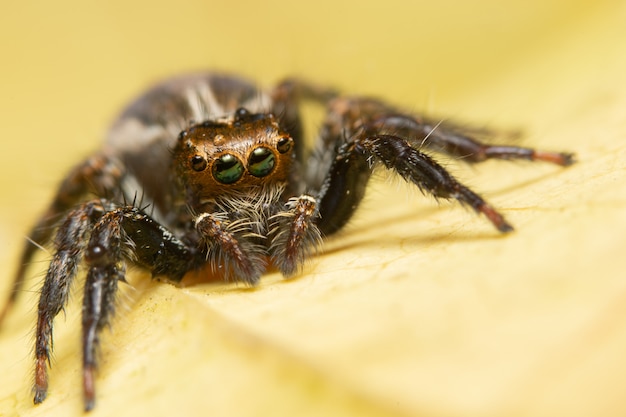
(284, 145)
(198, 163)
(241, 113)
(261, 162)
(227, 169)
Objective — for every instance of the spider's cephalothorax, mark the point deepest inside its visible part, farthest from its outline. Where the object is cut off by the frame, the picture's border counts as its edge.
(234, 171)
(206, 170)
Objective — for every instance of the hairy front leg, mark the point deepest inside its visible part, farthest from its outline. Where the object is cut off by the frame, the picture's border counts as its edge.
(352, 166)
(104, 256)
(98, 175)
(103, 235)
(397, 154)
(70, 242)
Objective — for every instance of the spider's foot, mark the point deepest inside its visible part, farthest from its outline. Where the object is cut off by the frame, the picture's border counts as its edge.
(89, 389)
(495, 218)
(559, 158)
(41, 381)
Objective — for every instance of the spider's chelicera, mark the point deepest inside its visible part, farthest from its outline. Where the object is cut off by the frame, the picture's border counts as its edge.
(224, 179)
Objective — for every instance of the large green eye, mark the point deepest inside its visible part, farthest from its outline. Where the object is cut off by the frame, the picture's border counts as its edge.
(227, 169)
(261, 162)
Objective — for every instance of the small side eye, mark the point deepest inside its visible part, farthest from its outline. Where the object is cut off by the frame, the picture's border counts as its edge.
(198, 163)
(241, 113)
(284, 145)
(227, 169)
(261, 162)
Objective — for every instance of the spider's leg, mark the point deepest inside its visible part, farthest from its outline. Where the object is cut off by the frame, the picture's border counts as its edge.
(455, 141)
(294, 234)
(396, 153)
(230, 246)
(103, 256)
(291, 90)
(286, 97)
(345, 184)
(98, 175)
(156, 248)
(69, 243)
(343, 188)
(122, 232)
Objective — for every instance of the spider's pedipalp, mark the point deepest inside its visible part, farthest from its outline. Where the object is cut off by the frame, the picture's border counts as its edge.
(295, 235)
(239, 257)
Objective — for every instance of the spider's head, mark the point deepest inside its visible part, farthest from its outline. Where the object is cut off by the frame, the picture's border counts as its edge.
(234, 154)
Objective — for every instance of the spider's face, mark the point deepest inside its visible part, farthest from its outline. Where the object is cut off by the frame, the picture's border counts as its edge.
(234, 154)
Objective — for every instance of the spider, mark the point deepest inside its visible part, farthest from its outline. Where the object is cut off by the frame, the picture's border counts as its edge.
(205, 169)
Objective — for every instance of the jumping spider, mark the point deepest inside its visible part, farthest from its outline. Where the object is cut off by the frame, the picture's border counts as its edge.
(207, 170)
